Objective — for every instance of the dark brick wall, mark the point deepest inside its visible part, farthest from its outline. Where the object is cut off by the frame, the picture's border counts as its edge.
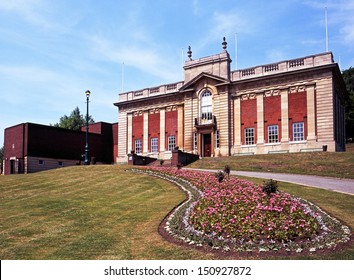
(14, 141)
(14, 144)
(115, 140)
(35, 140)
(53, 142)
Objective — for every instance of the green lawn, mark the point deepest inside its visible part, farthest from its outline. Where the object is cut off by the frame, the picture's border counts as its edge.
(104, 212)
(95, 212)
(339, 165)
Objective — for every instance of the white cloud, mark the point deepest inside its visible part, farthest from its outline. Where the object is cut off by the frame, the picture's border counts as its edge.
(275, 55)
(32, 74)
(146, 59)
(348, 33)
(340, 17)
(195, 7)
(31, 11)
(21, 6)
(229, 23)
(39, 87)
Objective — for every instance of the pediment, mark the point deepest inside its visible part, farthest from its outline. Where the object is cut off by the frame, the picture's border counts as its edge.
(204, 77)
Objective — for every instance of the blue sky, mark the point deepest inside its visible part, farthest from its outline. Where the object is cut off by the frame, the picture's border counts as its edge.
(52, 51)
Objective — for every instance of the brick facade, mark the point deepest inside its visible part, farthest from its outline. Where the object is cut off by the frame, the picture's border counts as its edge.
(248, 117)
(154, 130)
(138, 129)
(30, 147)
(288, 106)
(291, 106)
(171, 125)
(272, 115)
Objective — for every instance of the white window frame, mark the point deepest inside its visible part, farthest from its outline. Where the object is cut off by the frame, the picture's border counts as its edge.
(195, 141)
(206, 105)
(171, 141)
(217, 139)
(154, 144)
(249, 136)
(273, 134)
(138, 146)
(298, 131)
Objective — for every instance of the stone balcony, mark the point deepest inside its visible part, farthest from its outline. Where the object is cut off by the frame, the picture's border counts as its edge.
(283, 66)
(149, 92)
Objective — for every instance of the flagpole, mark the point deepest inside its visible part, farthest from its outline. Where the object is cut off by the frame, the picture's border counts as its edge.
(122, 77)
(326, 20)
(236, 54)
(182, 61)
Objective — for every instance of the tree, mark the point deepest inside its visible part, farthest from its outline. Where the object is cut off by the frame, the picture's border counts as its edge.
(75, 121)
(1, 154)
(1, 158)
(348, 76)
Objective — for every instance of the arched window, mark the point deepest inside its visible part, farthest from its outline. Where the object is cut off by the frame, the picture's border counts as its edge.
(206, 103)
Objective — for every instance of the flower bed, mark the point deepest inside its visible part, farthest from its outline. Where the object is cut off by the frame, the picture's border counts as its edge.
(236, 215)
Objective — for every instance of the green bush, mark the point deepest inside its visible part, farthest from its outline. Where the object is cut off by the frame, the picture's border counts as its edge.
(270, 186)
(220, 175)
(227, 170)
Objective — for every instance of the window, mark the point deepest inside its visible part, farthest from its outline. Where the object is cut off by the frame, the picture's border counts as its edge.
(195, 141)
(41, 162)
(249, 136)
(138, 146)
(206, 103)
(60, 163)
(298, 131)
(171, 143)
(154, 145)
(217, 139)
(273, 134)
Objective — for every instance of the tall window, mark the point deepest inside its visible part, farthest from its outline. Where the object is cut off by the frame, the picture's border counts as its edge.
(249, 136)
(138, 146)
(273, 134)
(171, 143)
(154, 145)
(206, 103)
(298, 131)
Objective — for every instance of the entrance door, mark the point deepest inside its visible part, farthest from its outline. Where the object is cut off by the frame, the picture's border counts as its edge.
(206, 145)
(12, 166)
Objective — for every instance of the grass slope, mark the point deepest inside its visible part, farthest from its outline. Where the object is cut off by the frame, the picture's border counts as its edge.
(95, 212)
(104, 212)
(339, 165)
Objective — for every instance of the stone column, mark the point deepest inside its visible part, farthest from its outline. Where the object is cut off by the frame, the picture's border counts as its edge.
(130, 132)
(146, 133)
(180, 140)
(162, 129)
(311, 117)
(260, 119)
(237, 123)
(284, 116)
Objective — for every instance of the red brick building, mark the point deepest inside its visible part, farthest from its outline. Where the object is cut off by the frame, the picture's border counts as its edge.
(295, 105)
(30, 147)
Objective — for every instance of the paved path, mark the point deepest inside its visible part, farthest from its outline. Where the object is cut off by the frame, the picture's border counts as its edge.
(329, 183)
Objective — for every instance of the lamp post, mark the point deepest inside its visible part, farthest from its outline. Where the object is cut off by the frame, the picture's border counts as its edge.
(87, 161)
